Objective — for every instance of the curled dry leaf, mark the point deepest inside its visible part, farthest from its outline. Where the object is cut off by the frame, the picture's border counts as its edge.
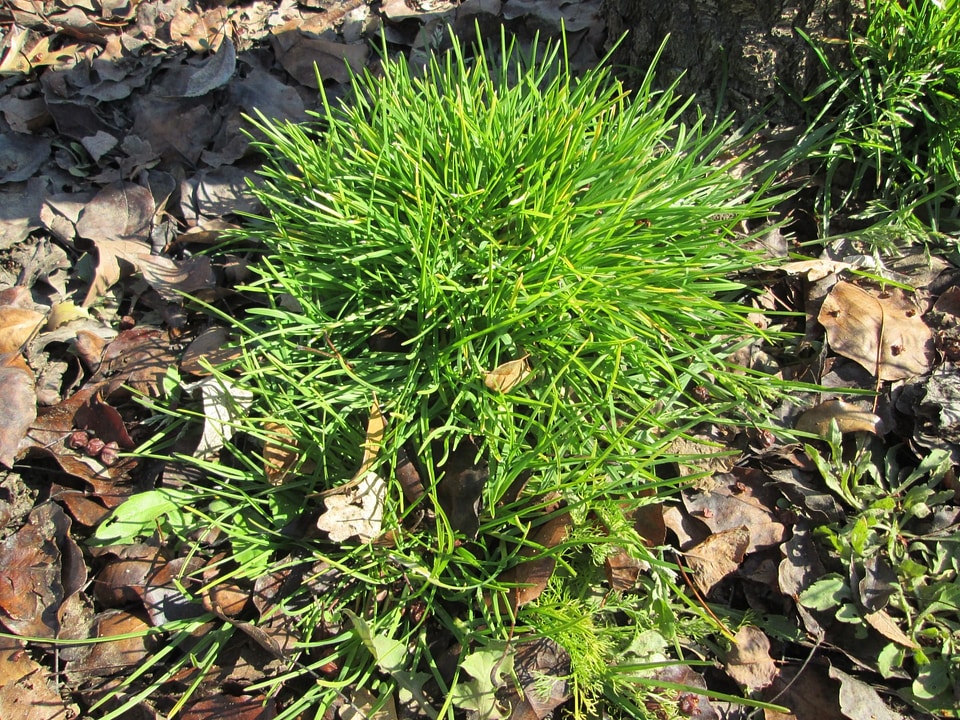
(355, 512)
(849, 418)
(42, 567)
(883, 332)
(507, 376)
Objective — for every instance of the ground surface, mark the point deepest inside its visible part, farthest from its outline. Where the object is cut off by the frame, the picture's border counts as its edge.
(121, 155)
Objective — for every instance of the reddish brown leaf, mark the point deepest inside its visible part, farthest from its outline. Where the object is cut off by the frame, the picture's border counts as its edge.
(230, 707)
(27, 690)
(41, 566)
(104, 421)
(115, 656)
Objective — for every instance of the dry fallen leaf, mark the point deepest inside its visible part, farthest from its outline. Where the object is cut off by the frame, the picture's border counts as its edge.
(749, 661)
(849, 418)
(18, 389)
(507, 376)
(356, 512)
(17, 326)
(533, 575)
(717, 557)
(27, 689)
(883, 332)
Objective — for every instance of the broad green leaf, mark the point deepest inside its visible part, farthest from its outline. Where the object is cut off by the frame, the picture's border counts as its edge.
(135, 516)
(826, 593)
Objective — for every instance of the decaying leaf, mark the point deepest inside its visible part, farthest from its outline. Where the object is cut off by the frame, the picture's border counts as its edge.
(741, 498)
(849, 418)
(41, 566)
(749, 661)
(717, 557)
(131, 646)
(507, 376)
(356, 512)
(883, 332)
(888, 627)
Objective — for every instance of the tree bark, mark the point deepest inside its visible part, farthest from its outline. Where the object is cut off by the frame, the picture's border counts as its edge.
(741, 56)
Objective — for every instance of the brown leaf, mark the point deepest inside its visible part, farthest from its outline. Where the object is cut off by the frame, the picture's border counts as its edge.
(200, 32)
(741, 498)
(103, 421)
(883, 332)
(173, 279)
(122, 211)
(17, 326)
(533, 575)
(122, 580)
(717, 557)
(41, 567)
(542, 669)
(137, 358)
(859, 701)
(507, 376)
(230, 707)
(303, 55)
(27, 690)
(209, 348)
(749, 661)
(849, 418)
(120, 655)
(281, 453)
(888, 627)
(18, 389)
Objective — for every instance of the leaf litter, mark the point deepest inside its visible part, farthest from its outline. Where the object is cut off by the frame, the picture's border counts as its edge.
(124, 155)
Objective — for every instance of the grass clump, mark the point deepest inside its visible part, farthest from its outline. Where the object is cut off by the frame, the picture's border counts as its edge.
(894, 114)
(490, 298)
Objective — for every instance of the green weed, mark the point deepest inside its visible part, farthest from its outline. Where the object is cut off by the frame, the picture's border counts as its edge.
(518, 283)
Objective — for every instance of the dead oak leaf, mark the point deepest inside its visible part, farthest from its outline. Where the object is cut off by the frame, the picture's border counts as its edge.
(356, 512)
